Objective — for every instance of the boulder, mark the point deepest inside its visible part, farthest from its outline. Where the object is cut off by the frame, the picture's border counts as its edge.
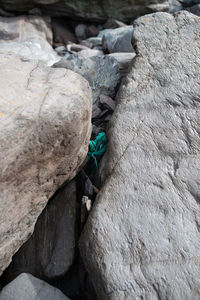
(29, 37)
(118, 40)
(102, 72)
(92, 10)
(27, 287)
(45, 126)
(143, 234)
(50, 250)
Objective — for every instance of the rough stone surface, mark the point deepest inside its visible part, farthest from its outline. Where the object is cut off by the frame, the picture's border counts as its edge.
(125, 61)
(143, 234)
(45, 129)
(50, 251)
(118, 40)
(102, 73)
(29, 37)
(96, 10)
(27, 287)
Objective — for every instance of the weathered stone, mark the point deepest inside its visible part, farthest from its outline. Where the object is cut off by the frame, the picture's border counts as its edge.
(29, 37)
(102, 73)
(45, 129)
(118, 40)
(93, 10)
(50, 251)
(27, 287)
(143, 232)
(124, 59)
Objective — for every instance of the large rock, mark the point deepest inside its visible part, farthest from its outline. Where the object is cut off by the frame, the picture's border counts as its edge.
(50, 251)
(27, 287)
(142, 238)
(29, 37)
(45, 126)
(98, 10)
(102, 72)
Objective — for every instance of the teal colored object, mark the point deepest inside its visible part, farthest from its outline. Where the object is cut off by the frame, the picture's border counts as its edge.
(97, 148)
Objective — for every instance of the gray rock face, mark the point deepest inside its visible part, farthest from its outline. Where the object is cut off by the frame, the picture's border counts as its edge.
(102, 73)
(27, 287)
(143, 232)
(97, 10)
(50, 251)
(45, 121)
(29, 37)
(118, 40)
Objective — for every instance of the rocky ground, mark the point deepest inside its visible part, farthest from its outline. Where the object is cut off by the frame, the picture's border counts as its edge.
(125, 226)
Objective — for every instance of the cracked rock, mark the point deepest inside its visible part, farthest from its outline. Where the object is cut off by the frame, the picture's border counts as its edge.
(45, 121)
(143, 233)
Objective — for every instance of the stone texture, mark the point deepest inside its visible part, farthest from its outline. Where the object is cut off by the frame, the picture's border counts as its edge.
(50, 251)
(143, 234)
(93, 10)
(118, 40)
(125, 61)
(45, 126)
(27, 287)
(29, 37)
(102, 73)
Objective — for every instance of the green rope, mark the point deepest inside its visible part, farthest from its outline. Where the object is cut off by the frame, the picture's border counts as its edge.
(97, 148)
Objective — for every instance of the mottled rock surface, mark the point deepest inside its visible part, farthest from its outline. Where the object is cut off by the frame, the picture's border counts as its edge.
(30, 37)
(118, 40)
(143, 234)
(50, 251)
(45, 122)
(124, 10)
(102, 72)
(27, 287)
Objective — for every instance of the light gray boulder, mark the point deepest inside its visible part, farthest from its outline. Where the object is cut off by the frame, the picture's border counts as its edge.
(27, 287)
(45, 122)
(118, 40)
(102, 72)
(143, 234)
(29, 37)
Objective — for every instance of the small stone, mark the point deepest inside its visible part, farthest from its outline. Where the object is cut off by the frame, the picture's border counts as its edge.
(107, 102)
(95, 41)
(90, 53)
(118, 40)
(80, 31)
(92, 30)
(124, 59)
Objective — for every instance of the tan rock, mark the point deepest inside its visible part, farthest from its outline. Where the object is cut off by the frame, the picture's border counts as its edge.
(45, 128)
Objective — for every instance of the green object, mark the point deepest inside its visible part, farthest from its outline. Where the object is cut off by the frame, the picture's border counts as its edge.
(97, 148)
